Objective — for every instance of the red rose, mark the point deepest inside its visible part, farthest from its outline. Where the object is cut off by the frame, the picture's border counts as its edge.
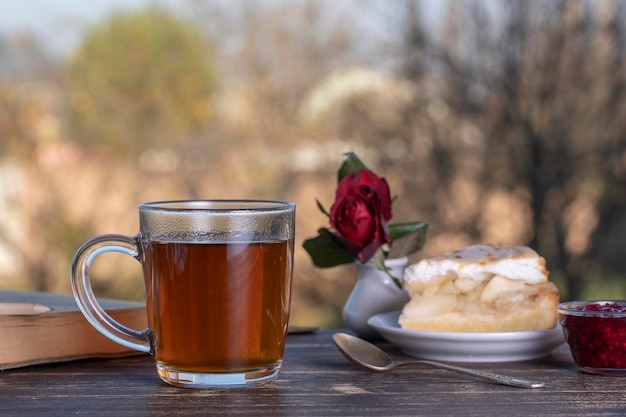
(361, 212)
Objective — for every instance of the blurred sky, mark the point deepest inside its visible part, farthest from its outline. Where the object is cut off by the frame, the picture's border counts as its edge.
(59, 24)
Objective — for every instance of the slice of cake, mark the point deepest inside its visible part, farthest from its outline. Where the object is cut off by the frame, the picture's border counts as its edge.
(480, 288)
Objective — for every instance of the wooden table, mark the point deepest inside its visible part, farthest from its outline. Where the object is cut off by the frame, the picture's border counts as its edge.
(316, 380)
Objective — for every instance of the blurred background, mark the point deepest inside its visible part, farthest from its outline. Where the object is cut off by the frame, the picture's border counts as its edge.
(493, 121)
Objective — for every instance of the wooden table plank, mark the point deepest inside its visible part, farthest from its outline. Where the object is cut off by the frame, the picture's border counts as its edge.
(316, 380)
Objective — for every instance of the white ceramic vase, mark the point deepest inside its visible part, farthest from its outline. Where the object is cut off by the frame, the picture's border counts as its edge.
(374, 293)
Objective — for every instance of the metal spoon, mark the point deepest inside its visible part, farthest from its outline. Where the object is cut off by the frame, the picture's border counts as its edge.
(372, 358)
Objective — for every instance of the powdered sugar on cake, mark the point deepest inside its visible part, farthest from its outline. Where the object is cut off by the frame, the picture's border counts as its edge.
(480, 263)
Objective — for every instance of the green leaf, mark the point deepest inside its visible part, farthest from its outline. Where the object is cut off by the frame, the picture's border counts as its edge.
(407, 238)
(399, 230)
(350, 165)
(321, 207)
(327, 250)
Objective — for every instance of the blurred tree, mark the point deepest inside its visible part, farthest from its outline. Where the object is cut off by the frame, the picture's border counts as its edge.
(543, 85)
(27, 77)
(140, 81)
(276, 53)
(510, 129)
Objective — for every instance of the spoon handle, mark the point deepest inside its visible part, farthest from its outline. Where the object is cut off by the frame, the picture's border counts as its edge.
(489, 376)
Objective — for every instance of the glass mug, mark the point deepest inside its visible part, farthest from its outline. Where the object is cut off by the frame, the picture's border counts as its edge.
(217, 276)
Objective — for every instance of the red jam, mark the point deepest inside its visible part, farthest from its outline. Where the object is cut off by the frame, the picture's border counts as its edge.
(596, 334)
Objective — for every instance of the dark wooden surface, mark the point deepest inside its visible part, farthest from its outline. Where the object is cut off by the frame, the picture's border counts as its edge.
(316, 380)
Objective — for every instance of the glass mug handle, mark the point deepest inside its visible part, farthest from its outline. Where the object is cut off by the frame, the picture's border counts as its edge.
(87, 302)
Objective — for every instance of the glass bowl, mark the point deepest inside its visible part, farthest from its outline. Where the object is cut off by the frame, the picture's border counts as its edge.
(596, 334)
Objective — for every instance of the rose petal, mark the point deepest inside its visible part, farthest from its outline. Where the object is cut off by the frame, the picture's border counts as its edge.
(360, 213)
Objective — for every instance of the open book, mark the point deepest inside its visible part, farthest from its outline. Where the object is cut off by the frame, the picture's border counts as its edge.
(42, 327)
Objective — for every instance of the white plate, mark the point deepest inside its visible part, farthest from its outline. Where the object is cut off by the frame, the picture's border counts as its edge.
(467, 347)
